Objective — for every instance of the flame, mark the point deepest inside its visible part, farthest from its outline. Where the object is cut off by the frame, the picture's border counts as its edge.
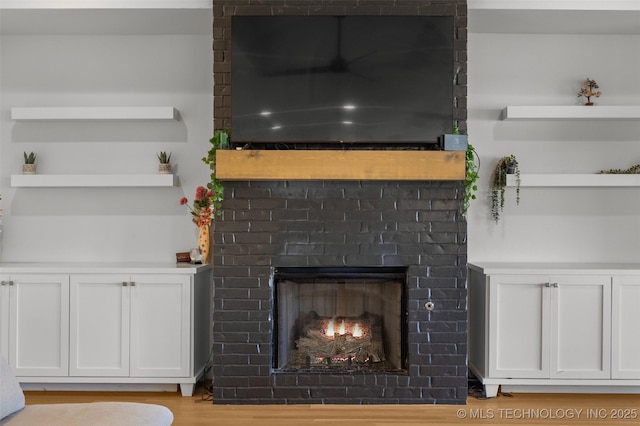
(357, 331)
(331, 328)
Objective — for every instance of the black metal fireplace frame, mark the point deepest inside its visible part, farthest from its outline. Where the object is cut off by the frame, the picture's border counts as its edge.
(340, 272)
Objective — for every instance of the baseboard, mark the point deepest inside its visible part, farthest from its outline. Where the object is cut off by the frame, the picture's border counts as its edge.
(105, 387)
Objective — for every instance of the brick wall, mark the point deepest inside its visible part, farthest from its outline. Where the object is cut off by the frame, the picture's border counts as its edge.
(275, 224)
(271, 224)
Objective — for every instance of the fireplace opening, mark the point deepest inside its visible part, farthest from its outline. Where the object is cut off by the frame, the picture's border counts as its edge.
(340, 319)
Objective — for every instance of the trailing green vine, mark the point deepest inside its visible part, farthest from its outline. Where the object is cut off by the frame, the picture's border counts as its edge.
(220, 140)
(471, 174)
(470, 178)
(506, 165)
(633, 170)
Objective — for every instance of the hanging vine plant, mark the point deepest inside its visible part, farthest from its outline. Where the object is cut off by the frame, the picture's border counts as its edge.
(220, 140)
(472, 166)
(505, 166)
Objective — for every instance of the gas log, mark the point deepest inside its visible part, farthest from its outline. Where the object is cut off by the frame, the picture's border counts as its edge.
(340, 340)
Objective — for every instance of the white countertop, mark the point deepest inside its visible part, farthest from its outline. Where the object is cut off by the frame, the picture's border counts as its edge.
(102, 268)
(493, 268)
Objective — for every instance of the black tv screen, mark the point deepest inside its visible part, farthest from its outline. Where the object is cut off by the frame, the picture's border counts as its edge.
(375, 79)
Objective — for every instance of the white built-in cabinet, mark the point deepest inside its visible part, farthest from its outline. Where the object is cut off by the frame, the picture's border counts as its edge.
(535, 327)
(129, 325)
(120, 324)
(625, 362)
(34, 323)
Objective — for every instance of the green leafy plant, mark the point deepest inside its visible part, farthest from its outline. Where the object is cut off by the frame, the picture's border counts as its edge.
(471, 177)
(505, 165)
(633, 170)
(471, 174)
(164, 158)
(30, 158)
(220, 140)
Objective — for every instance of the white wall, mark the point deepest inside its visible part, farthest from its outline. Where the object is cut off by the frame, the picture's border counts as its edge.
(103, 224)
(554, 224)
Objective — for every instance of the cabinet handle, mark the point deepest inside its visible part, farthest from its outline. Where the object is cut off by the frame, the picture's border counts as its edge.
(547, 285)
(555, 285)
(4, 282)
(124, 283)
(132, 283)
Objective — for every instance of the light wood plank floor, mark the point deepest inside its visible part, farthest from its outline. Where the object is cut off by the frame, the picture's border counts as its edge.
(518, 409)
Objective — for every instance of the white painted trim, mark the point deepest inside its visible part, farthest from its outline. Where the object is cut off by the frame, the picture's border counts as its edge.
(547, 268)
(106, 4)
(575, 180)
(98, 180)
(567, 112)
(94, 113)
(102, 268)
(612, 5)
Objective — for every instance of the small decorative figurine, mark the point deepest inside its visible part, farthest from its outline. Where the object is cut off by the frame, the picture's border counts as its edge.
(589, 90)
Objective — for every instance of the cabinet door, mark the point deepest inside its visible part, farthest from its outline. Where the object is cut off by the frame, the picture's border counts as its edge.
(518, 326)
(39, 325)
(99, 325)
(625, 351)
(160, 325)
(4, 316)
(581, 327)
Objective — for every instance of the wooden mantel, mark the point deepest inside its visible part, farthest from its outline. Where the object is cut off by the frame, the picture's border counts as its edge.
(339, 165)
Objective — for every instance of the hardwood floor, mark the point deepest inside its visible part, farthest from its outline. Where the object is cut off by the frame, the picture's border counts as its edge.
(518, 409)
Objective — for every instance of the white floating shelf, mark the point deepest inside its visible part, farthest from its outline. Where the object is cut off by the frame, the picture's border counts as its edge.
(94, 113)
(554, 16)
(97, 180)
(106, 4)
(575, 180)
(575, 112)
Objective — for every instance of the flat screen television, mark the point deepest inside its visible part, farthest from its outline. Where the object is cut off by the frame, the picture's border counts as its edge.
(337, 79)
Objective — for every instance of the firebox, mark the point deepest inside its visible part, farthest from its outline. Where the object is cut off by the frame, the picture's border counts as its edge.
(341, 319)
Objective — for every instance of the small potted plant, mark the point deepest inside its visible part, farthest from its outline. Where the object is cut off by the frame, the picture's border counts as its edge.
(29, 166)
(165, 162)
(507, 165)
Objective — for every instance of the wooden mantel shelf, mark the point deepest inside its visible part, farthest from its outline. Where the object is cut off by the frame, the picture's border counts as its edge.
(339, 165)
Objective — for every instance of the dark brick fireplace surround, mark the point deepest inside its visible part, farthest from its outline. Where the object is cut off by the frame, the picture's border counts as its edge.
(271, 224)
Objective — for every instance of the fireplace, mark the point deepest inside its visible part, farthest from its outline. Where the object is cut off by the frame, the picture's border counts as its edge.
(339, 320)
(410, 233)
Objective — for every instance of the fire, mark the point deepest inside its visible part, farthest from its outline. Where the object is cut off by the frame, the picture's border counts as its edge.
(331, 328)
(355, 330)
